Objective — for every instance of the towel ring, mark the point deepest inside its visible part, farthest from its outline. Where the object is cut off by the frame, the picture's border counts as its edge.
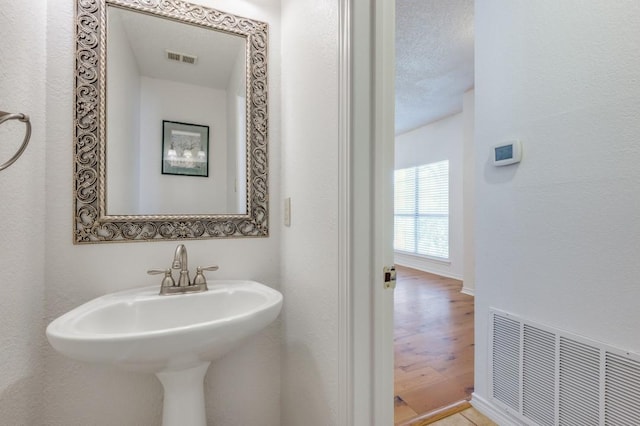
(5, 116)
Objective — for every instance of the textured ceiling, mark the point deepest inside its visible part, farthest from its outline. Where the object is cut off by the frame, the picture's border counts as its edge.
(434, 59)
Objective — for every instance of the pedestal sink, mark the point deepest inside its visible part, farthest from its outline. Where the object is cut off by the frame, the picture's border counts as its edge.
(175, 337)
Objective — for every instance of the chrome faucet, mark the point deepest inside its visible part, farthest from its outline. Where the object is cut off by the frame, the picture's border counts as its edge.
(184, 284)
(180, 262)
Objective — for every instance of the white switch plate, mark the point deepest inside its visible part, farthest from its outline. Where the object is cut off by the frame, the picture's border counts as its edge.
(287, 211)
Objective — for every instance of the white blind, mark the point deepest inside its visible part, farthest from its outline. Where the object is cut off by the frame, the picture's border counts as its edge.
(421, 210)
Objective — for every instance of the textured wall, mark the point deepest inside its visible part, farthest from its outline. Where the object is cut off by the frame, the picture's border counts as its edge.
(241, 389)
(22, 206)
(557, 236)
(309, 246)
(438, 141)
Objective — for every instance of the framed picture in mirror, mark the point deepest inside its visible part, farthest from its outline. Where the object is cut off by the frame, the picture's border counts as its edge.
(185, 149)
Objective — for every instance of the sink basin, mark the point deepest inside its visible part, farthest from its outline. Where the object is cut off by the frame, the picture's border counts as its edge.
(140, 330)
(175, 337)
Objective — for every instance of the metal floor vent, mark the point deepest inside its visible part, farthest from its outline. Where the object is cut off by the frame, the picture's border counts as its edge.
(549, 377)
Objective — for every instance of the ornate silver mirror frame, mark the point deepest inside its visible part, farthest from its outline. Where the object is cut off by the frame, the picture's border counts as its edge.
(91, 222)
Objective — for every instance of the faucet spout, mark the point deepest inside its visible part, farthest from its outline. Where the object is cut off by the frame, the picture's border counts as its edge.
(180, 262)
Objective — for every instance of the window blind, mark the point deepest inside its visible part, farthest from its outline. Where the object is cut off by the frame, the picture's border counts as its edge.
(421, 210)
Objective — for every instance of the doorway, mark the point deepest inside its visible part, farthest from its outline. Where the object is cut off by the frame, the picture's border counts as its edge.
(433, 331)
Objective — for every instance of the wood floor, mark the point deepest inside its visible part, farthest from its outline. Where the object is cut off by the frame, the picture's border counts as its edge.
(433, 344)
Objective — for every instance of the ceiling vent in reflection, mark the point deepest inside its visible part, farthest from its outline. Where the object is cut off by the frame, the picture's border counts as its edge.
(181, 57)
(189, 59)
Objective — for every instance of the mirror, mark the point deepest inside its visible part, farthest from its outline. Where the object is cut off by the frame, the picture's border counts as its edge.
(171, 122)
(176, 99)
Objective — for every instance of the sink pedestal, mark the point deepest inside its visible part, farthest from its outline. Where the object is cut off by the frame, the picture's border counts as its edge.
(184, 396)
(175, 337)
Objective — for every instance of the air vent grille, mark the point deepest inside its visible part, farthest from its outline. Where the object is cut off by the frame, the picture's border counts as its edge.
(181, 57)
(173, 56)
(622, 391)
(546, 377)
(506, 368)
(538, 378)
(579, 383)
(189, 59)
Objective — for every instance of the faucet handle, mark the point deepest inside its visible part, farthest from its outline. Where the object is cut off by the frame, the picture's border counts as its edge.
(208, 268)
(200, 279)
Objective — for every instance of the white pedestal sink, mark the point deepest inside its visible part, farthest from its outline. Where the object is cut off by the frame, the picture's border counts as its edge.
(175, 337)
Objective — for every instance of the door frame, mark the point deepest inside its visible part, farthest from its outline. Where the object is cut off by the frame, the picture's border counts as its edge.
(366, 133)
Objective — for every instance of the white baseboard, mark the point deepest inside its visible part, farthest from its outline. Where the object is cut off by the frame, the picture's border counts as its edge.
(426, 265)
(468, 291)
(494, 413)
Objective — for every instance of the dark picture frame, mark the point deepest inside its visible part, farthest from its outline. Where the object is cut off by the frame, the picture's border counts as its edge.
(185, 149)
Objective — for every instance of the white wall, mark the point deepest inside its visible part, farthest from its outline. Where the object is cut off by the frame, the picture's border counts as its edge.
(241, 389)
(310, 245)
(123, 126)
(22, 213)
(438, 141)
(557, 236)
(237, 136)
(468, 194)
(186, 103)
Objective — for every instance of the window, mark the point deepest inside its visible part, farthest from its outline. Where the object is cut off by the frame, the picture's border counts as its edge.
(421, 210)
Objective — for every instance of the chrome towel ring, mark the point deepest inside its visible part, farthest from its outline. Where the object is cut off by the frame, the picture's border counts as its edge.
(5, 116)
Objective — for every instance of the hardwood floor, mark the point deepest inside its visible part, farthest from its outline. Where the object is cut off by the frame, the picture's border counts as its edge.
(433, 343)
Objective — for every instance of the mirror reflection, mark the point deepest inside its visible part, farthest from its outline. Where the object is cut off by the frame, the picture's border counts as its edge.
(175, 117)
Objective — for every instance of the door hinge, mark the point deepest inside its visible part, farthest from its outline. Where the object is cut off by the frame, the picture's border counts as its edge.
(389, 277)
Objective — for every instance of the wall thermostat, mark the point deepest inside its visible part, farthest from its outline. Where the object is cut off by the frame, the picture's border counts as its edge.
(507, 153)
